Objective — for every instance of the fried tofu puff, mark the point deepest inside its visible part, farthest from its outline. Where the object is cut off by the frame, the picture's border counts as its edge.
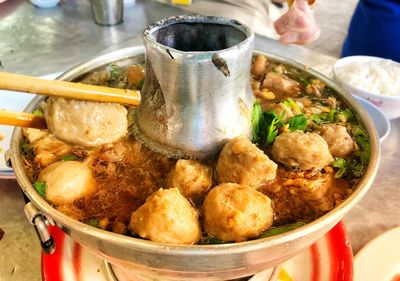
(84, 123)
(301, 150)
(67, 181)
(192, 178)
(244, 163)
(235, 213)
(167, 217)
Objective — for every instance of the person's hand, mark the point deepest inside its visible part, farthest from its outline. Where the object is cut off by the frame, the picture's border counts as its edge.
(298, 25)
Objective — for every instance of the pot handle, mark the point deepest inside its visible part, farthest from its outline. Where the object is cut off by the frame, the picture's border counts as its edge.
(41, 222)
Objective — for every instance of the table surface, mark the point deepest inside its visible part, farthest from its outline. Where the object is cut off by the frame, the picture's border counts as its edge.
(41, 41)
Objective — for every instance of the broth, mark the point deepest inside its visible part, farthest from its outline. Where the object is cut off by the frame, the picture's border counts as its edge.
(289, 102)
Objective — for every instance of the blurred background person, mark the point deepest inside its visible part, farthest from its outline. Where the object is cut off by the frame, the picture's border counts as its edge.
(270, 18)
(374, 30)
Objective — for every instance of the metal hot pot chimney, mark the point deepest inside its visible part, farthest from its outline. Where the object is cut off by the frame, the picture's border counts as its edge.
(197, 91)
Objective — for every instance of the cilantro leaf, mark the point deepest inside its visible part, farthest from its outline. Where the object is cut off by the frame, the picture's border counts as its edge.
(115, 72)
(270, 127)
(38, 112)
(68, 157)
(40, 188)
(93, 222)
(342, 167)
(362, 140)
(298, 122)
(26, 148)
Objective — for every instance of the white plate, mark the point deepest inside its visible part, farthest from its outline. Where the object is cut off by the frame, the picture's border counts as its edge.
(12, 101)
(379, 260)
(381, 121)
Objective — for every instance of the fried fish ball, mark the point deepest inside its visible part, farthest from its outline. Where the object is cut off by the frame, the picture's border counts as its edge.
(339, 140)
(84, 123)
(67, 181)
(244, 163)
(192, 178)
(234, 213)
(167, 217)
(301, 150)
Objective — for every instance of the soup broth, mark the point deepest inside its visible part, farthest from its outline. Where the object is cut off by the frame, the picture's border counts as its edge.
(308, 153)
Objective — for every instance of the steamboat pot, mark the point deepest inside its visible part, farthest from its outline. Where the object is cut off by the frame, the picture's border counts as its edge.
(205, 262)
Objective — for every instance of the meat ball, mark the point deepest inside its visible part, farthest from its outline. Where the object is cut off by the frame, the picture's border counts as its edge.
(301, 150)
(259, 65)
(244, 163)
(281, 85)
(67, 181)
(192, 178)
(234, 213)
(339, 141)
(167, 217)
(86, 123)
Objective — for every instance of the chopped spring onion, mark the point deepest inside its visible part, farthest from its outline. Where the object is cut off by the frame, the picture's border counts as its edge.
(281, 229)
(40, 188)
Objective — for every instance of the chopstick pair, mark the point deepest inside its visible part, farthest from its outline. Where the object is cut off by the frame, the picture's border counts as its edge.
(57, 88)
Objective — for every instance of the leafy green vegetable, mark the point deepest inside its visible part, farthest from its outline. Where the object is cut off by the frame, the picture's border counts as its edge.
(362, 140)
(256, 119)
(265, 125)
(115, 72)
(298, 122)
(38, 112)
(316, 118)
(93, 222)
(354, 168)
(26, 148)
(139, 86)
(303, 81)
(281, 229)
(331, 115)
(342, 167)
(324, 117)
(348, 114)
(40, 188)
(270, 127)
(68, 157)
(208, 240)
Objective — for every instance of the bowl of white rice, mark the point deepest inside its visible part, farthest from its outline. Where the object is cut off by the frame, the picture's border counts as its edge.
(375, 79)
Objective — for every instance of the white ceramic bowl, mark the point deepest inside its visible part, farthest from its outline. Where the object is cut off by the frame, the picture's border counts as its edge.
(45, 3)
(388, 104)
(381, 121)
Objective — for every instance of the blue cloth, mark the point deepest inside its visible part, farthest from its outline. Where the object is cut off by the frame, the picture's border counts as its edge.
(374, 30)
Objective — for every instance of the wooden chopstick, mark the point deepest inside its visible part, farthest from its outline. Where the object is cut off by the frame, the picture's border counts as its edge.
(23, 83)
(22, 119)
(310, 2)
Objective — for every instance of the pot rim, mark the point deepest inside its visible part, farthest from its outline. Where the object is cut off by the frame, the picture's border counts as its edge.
(147, 33)
(199, 250)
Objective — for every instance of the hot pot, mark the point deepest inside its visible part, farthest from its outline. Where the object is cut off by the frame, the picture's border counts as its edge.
(214, 262)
